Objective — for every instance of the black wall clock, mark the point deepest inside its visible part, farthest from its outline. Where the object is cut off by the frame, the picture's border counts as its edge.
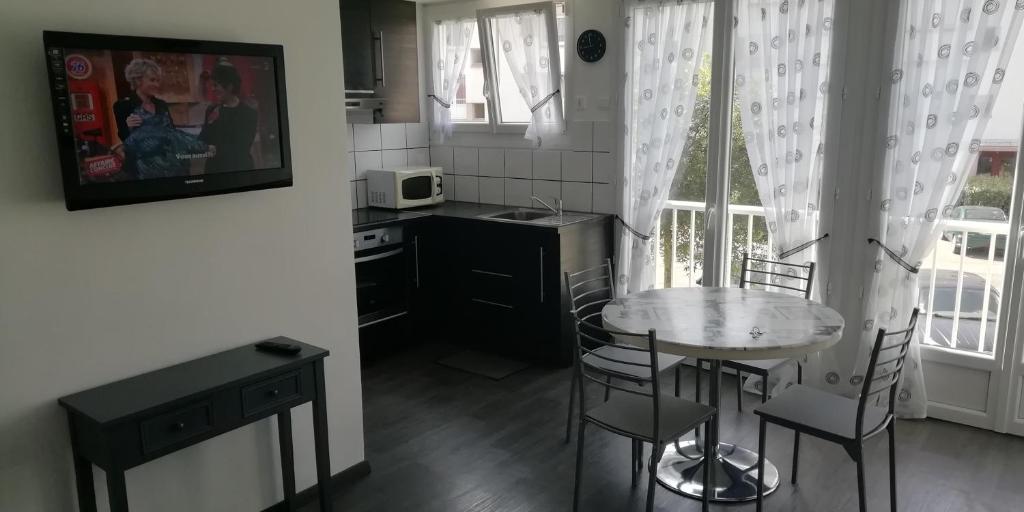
(590, 46)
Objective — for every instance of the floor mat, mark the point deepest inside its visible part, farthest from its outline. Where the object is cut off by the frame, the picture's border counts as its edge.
(485, 365)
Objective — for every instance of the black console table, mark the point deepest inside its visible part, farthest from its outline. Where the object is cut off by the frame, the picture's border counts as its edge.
(127, 423)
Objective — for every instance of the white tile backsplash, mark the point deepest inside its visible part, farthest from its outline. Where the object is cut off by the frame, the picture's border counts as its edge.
(348, 165)
(547, 190)
(354, 189)
(518, 163)
(392, 136)
(467, 161)
(391, 158)
(604, 198)
(581, 136)
(492, 190)
(518, 191)
(367, 160)
(547, 165)
(577, 197)
(604, 136)
(492, 162)
(577, 166)
(367, 137)
(418, 156)
(350, 141)
(443, 157)
(467, 188)
(604, 167)
(416, 135)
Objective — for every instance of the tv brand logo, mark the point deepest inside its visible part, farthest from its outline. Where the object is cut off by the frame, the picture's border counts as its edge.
(193, 181)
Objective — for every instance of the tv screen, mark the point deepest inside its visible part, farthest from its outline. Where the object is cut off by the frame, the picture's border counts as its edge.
(146, 119)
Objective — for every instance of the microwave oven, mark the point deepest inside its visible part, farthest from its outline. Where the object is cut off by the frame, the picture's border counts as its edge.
(404, 187)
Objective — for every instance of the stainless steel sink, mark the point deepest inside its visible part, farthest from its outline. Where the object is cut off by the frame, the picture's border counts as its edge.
(520, 215)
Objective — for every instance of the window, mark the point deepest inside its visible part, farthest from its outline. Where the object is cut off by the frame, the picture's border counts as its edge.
(470, 105)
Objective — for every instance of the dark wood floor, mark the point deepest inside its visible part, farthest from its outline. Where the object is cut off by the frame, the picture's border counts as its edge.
(443, 440)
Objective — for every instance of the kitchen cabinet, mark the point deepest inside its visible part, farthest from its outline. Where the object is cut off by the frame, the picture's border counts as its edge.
(379, 44)
(498, 287)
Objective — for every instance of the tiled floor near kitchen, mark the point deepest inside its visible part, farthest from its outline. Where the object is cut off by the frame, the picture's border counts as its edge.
(442, 440)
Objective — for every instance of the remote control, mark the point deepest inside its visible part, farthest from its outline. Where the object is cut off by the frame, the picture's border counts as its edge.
(280, 348)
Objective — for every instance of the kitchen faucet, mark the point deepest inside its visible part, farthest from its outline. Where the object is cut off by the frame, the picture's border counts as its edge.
(556, 211)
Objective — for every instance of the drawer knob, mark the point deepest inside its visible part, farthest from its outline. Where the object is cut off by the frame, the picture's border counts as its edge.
(274, 392)
(179, 426)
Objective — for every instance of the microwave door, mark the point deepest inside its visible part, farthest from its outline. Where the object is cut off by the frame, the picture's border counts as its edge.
(418, 188)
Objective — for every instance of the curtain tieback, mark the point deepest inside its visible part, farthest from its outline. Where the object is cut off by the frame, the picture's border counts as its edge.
(439, 101)
(785, 254)
(544, 100)
(633, 230)
(895, 257)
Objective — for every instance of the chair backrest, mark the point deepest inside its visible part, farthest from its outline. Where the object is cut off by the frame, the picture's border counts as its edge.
(801, 282)
(884, 369)
(589, 290)
(592, 364)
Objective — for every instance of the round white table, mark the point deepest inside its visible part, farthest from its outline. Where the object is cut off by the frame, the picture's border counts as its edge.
(717, 324)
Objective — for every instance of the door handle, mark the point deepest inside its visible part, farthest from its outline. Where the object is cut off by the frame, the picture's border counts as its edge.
(416, 258)
(542, 274)
(375, 257)
(380, 42)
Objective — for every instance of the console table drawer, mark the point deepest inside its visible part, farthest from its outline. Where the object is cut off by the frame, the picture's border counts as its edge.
(265, 395)
(175, 427)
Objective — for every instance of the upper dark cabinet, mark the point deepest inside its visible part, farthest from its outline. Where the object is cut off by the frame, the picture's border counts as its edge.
(381, 64)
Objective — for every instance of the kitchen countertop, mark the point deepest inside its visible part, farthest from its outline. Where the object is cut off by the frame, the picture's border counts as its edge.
(369, 218)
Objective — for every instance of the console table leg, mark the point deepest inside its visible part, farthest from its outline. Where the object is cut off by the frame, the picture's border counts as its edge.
(83, 473)
(284, 432)
(117, 491)
(323, 455)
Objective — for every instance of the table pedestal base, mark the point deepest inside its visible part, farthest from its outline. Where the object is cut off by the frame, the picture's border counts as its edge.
(735, 472)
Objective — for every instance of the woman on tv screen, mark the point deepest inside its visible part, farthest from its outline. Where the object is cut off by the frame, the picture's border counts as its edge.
(153, 146)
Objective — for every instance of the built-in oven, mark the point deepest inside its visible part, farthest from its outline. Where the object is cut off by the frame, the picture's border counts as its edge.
(383, 289)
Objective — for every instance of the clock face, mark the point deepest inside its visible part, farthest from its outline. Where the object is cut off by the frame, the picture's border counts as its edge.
(591, 46)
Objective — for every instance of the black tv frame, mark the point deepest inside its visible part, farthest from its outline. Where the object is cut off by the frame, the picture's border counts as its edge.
(79, 196)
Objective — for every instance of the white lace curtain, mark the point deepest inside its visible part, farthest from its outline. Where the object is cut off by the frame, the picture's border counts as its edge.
(665, 45)
(528, 39)
(782, 67)
(949, 63)
(449, 46)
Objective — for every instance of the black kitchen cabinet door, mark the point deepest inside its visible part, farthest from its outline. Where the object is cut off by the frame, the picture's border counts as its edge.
(357, 43)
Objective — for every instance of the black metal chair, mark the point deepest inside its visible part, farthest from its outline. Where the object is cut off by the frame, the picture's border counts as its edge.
(750, 276)
(589, 290)
(639, 412)
(842, 420)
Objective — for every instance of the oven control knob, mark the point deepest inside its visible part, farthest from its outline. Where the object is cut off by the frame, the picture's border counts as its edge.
(385, 238)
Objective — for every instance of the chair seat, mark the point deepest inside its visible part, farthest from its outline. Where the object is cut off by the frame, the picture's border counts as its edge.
(632, 415)
(821, 413)
(665, 361)
(759, 367)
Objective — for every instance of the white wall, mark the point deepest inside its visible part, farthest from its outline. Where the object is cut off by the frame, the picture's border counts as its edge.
(504, 168)
(94, 296)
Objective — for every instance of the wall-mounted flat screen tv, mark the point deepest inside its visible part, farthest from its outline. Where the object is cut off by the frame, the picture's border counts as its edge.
(147, 119)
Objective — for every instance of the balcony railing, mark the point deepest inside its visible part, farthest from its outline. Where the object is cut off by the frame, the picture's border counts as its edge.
(960, 281)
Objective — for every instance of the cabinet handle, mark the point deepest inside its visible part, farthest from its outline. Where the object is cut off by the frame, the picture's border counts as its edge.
(416, 258)
(380, 40)
(179, 426)
(274, 392)
(542, 274)
(491, 303)
(489, 273)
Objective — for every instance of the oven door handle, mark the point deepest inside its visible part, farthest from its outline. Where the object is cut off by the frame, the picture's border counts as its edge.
(375, 257)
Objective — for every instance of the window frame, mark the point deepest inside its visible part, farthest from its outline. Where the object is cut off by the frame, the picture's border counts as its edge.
(497, 125)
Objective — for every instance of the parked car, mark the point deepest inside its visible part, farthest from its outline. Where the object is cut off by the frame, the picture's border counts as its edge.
(971, 315)
(977, 242)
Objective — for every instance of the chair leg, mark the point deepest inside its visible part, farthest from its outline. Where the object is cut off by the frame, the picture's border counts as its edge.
(696, 374)
(707, 483)
(579, 466)
(861, 494)
(796, 454)
(607, 389)
(761, 434)
(632, 464)
(739, 390)
(892, 465)
(764, 387)
(572, 400)
(659, 450)
(679, 374)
